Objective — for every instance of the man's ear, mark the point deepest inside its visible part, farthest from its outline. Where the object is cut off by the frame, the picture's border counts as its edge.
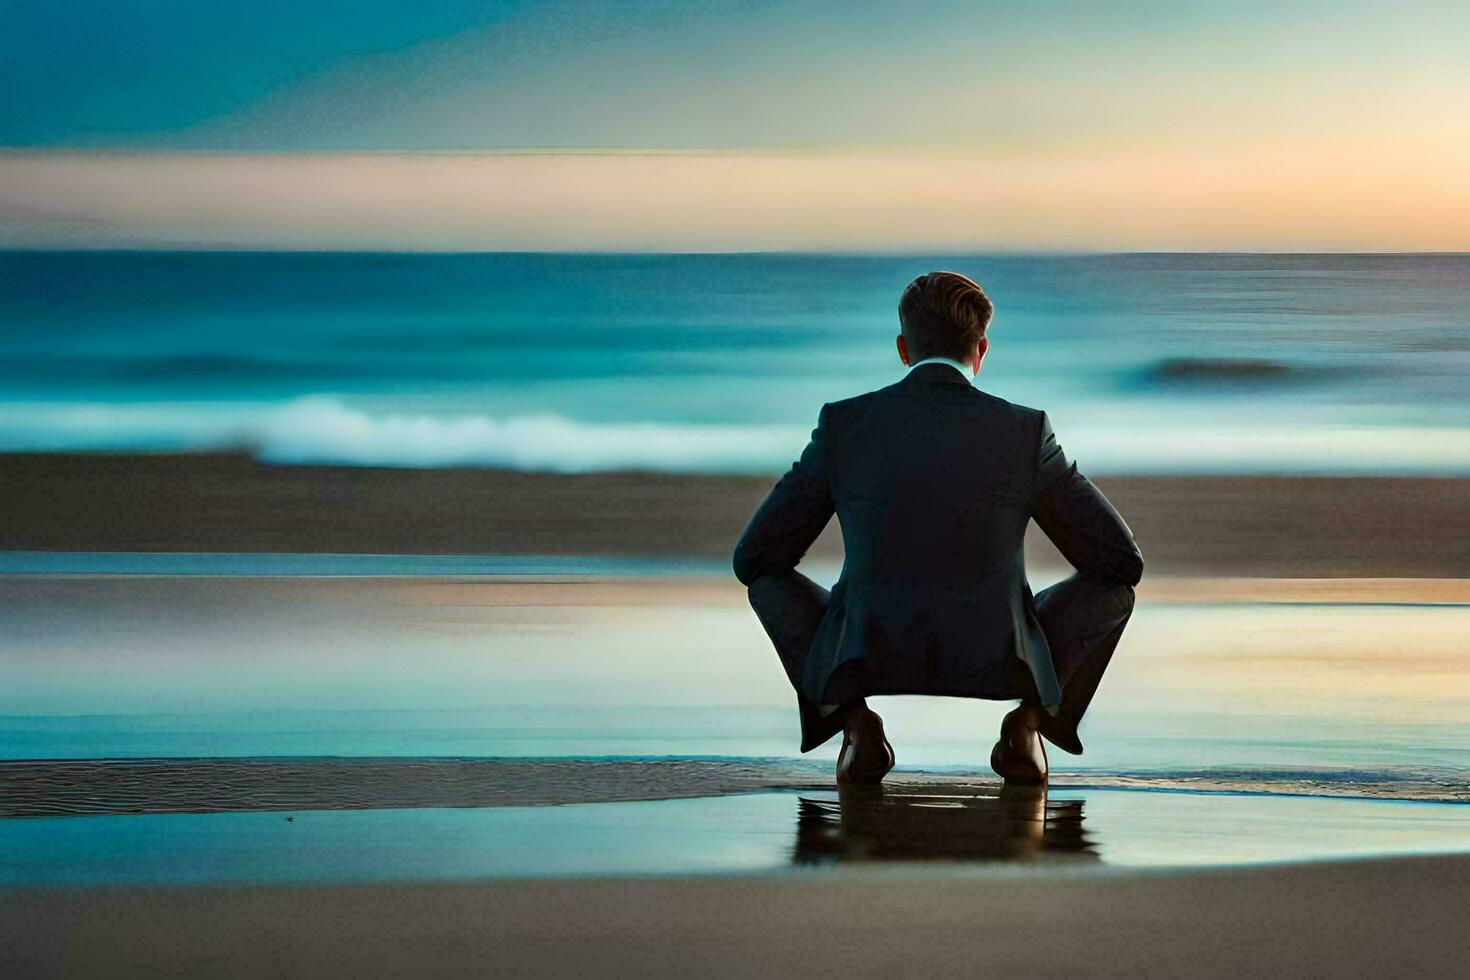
(980, 352)
(903, 351)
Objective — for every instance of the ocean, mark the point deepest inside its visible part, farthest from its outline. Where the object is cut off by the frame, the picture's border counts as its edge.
(1160, 363)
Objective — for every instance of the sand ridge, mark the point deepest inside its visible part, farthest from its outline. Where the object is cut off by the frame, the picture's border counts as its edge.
(1282, 526)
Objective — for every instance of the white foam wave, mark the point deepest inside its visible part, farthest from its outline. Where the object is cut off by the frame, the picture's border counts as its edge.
(324, 429)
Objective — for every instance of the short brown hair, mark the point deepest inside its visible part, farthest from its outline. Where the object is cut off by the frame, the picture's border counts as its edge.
(943, 314)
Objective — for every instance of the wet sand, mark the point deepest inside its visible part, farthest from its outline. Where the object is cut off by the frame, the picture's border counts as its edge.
(1393, 917)
(1286, 526)
(95, 787)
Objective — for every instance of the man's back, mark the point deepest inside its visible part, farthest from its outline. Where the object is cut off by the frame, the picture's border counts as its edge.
(933, 482)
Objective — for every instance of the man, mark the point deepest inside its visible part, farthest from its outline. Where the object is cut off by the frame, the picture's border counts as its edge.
(933, 482)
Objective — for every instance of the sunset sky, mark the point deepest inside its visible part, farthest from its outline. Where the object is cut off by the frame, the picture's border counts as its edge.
(713, 126)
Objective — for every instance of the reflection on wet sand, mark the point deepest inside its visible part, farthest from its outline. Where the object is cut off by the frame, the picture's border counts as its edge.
(924, 823)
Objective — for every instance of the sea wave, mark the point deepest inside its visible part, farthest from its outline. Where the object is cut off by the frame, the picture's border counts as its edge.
(324, 429)
(1231, 371)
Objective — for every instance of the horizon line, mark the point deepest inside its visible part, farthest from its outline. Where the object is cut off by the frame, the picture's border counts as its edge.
(795, 253)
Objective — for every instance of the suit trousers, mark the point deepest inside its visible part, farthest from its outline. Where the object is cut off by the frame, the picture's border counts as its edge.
(1083, 618)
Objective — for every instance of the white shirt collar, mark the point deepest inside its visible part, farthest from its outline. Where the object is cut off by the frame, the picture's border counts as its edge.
(962, 368)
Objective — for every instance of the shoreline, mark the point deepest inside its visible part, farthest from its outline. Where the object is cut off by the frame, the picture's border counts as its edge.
(78, 787)
(1309, 527)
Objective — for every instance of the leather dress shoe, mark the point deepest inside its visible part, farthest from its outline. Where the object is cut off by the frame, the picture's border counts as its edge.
(1058, 731)
(1019, 755)
(865, 757)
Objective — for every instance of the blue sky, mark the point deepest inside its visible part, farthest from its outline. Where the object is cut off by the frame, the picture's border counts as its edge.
(374, 74)
(1157, 94)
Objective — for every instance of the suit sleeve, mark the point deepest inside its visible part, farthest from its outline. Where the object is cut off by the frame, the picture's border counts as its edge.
(794, 512)
(1078, 519)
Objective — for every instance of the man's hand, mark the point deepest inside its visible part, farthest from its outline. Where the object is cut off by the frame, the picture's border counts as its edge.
(793, 513)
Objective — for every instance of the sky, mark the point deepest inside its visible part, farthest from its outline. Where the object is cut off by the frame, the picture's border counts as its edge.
(735, 126)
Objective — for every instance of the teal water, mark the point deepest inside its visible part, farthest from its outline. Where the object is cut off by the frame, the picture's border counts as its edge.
(1164, 363)
(260, 563)
(1227, 733)
(201, 665)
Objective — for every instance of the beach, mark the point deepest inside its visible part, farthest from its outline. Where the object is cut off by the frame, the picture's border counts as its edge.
(236, 764)
(359, 721)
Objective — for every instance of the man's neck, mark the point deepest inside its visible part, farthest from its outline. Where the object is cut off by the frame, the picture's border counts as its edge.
(957, 365)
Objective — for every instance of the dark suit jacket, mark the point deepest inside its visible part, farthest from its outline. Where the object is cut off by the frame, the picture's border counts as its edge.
(933, 482)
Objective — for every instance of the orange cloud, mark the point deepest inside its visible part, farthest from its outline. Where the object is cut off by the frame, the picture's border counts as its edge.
(1382, 192)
